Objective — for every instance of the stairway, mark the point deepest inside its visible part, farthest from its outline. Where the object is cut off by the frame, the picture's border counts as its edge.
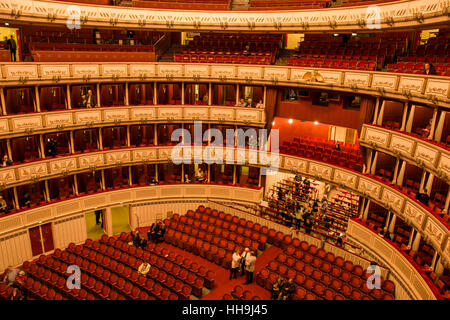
(240, 5)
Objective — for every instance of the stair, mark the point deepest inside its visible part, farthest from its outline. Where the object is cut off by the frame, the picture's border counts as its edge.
(242, 5)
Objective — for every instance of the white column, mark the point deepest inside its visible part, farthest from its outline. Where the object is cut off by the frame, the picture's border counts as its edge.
(38, 101)
(401, 173)
(155, 93)
(16, 198)
(433, 262)
(69, 98)
(264, 96)
(127, 101)
(440, 126)
(416, 242)
(405, 115)
(411, 237)
(381, 114)
(237, 93)
(422, 180)
(128, 136)
(377, 107)
(100, 139)
(392, 224)
(75, 183)
(209, 94)
(71, 143)
(429, 183)
(98, 96)
(433, 123)
(2, 97)
(47, 191)
(107, 221)
(395, 175)
(103, 184)
(410, 120)
(447, 202)
(42, 146)
(182, 93)
(374, 163)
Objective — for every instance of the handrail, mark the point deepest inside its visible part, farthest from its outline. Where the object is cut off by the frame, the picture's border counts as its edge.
(420, 152)
(423, 275)
(421, 89)
(428, 223)
(432, 12)
(80, 118)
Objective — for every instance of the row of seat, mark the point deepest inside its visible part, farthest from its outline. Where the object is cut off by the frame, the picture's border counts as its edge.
(334, 63)
(238, 293)
(235, 59)
(322, 276)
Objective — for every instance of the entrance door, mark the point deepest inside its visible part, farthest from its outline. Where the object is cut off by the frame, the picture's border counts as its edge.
(36, 241)
(47, 237)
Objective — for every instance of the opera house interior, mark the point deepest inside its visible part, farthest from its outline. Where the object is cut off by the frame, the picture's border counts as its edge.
(224, 150)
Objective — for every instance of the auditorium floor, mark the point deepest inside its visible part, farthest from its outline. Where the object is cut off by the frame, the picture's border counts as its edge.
(94, 231)
(222, 284)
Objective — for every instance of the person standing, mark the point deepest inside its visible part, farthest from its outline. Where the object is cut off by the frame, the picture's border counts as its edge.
(250, 263)
(277, 285)
(235, 261)
(98, 216)
(243, 258)
(90, 99)
(12, 48)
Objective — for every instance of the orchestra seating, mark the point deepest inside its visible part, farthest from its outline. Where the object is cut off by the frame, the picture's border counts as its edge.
(320, 275)
(109, 272)
(323, 150)
(327, 51)
(230, 48)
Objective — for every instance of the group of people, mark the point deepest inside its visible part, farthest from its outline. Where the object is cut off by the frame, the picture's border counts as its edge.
(298, 209)
(249, 103)
(87, 101)
(156, 232)
(282, 289)
(15, 278)
(243, 262)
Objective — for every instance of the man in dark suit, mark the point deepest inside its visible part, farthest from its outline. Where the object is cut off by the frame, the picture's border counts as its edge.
(154, 228)
(90, 99)
(98, 216)
(12, 48)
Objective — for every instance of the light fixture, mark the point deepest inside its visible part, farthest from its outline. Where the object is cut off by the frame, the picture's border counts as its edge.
(335, 35)
(290, 121)
(273, 123)
(6, 24)
(316, 122)
(354, 34)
